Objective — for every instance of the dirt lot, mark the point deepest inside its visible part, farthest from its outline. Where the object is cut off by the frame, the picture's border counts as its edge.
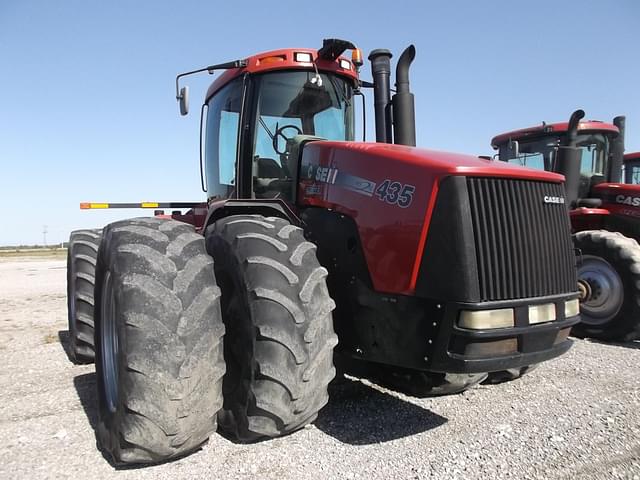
(575, 417)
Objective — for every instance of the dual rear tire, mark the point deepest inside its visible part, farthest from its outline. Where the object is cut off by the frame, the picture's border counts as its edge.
(163, 359)
(158, 341)
(280, 338)
(82, 254)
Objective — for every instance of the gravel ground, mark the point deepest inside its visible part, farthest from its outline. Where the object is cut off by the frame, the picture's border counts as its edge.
(575, 417)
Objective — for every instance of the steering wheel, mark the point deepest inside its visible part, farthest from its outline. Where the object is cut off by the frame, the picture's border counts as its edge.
(279, 133)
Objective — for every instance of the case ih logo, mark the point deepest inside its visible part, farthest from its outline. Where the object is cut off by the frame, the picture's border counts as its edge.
(628, 200)
(548, 199)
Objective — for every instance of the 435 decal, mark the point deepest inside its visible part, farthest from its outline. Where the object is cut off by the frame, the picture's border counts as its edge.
(395, 193)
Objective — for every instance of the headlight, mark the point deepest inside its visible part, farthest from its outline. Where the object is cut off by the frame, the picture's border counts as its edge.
(483, 319)
(542, 313)
(571, 308)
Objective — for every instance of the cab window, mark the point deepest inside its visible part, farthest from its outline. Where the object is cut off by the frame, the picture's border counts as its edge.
(632, 172)
(539, 154)
(594, 153)
(221, 140)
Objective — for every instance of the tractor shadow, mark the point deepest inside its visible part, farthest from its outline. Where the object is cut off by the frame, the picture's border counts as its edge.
(358, 414)
(65, 340)
(85, 386)
(632, 344)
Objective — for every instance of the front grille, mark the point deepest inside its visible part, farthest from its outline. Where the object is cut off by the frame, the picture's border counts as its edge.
(523, 245)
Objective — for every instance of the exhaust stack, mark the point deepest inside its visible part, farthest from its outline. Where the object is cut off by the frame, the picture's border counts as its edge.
(381, 71)
(572, 128)
(569, 160)
(617, 152)
(404, 116)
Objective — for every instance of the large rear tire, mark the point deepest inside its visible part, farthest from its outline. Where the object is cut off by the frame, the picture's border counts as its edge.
(82, 253)
(277, 312)
(159, 354)
(609, 278)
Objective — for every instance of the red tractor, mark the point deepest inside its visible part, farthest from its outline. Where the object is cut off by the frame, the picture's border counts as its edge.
(605, 214)
(632, 168)
(424, 264)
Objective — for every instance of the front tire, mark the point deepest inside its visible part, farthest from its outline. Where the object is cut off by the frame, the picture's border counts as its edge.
(609, 278)
(158, 341)
(82, 254)
(280, 338)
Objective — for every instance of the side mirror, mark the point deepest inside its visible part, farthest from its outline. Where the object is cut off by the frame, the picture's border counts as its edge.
(183, 98)
(513, 148)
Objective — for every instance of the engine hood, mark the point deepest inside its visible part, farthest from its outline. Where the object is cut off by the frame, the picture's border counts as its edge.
(438, 163)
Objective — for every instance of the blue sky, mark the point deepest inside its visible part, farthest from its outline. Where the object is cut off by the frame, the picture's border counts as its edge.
(89, 113)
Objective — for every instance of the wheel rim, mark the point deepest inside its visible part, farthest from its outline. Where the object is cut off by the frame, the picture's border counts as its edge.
(603, 285)
(109, 344)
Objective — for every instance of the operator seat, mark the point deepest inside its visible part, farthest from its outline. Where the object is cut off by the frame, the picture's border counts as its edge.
(270, 180)
(268, 168)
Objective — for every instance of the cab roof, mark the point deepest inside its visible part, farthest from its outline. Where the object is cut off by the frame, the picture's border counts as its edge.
(284, 60)
(544, 129)
(632, 156)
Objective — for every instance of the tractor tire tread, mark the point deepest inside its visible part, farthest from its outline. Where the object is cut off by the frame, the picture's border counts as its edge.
(170, 389)
(290, 308)
(82, 252)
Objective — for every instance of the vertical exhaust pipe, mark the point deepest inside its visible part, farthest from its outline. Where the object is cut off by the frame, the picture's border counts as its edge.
(572, 128)
(404, 116)
(381, 72)
(568, 162)
(617, 152)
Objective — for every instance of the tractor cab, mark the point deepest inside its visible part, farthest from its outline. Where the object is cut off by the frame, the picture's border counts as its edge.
(272, 108)
(539, 148)
(254, 111)
(632, 168)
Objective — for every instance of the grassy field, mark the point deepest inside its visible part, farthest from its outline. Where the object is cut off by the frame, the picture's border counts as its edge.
(34, 252)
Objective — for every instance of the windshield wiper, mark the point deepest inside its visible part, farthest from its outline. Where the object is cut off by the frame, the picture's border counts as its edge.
(264, 125)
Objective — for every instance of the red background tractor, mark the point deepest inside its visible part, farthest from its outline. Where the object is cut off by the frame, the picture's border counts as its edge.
(605, 214)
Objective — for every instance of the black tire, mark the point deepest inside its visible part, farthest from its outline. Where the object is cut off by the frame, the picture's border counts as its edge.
(508, 375)
(277, 313)
(610, 276)
(82, 253)
(159, 354)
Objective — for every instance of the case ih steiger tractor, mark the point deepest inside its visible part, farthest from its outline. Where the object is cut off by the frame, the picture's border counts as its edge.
(413, 261)
(605, 214)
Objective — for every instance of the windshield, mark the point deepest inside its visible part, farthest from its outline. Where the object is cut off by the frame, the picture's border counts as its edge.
(538, 153)
(294, 103)
(299, 103)
(541, 153)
